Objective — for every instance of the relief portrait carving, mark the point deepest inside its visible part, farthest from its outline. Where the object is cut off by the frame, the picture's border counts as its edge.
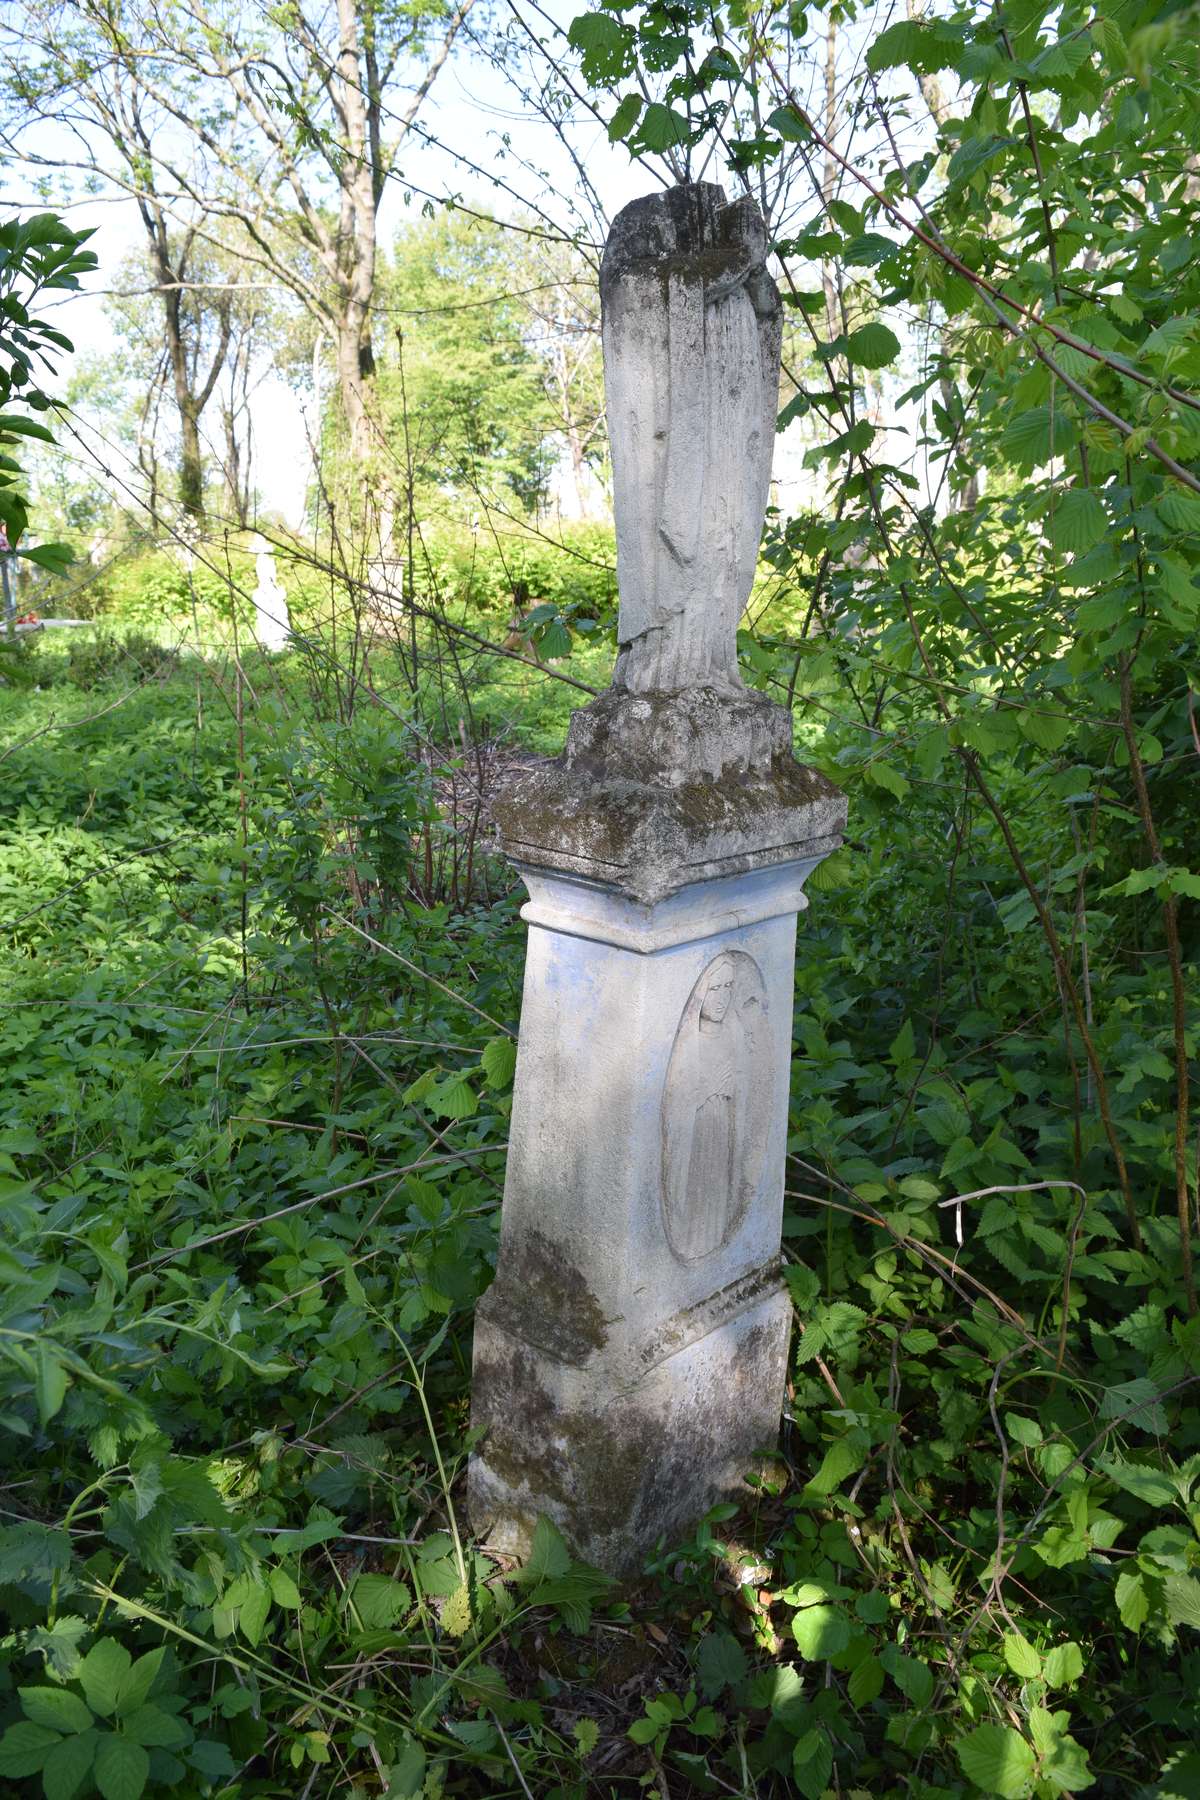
(716, 1107)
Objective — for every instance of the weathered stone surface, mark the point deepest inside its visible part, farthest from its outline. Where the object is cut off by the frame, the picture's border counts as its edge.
(637, 1316)
(655, 791)
(630, 1356)
(692, 327)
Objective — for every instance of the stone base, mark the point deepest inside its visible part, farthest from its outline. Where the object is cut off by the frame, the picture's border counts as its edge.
(624, 1451)
(655, 792)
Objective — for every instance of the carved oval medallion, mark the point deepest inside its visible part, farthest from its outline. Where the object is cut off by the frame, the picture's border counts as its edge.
(716, 1107)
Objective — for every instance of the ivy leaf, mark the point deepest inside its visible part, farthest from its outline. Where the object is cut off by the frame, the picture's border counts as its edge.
(998, 1760)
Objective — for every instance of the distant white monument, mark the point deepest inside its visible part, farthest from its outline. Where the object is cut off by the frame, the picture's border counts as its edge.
(271, 622)
(631, 1354)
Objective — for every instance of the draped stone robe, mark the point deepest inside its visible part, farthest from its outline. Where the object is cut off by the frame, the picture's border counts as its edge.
(692, 334)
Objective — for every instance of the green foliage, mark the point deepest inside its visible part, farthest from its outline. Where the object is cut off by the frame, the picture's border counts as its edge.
(39, 255)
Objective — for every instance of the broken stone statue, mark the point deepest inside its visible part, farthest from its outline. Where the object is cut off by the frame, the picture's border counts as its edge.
(630, 1356)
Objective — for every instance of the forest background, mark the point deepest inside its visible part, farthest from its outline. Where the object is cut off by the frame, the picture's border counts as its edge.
(262, 968)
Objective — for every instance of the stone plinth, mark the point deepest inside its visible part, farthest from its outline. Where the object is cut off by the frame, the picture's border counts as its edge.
(630, 1356)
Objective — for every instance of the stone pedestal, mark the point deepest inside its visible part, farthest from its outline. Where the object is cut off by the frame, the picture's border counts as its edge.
(630, 1356)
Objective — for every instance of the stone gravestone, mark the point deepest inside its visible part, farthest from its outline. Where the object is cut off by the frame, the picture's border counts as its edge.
(271, 623)
(630, 1357)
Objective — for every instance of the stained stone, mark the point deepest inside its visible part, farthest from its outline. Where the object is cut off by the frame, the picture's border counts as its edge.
(630, 1356)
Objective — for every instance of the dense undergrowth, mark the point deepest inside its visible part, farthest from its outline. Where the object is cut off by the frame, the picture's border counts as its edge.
(257, 1044)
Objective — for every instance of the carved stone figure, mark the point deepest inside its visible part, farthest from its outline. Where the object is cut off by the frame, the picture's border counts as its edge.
(714, 1117)
(692, 328)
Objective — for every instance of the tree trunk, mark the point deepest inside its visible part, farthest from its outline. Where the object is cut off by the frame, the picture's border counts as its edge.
(355, 237)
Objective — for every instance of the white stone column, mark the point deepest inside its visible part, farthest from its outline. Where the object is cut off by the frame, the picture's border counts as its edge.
(630, 1357)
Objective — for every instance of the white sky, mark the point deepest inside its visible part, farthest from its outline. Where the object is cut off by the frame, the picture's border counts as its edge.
(470, 108)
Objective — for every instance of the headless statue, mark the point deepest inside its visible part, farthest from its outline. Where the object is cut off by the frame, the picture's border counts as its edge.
(692, 328)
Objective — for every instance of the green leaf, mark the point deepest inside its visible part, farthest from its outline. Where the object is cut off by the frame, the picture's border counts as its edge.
(884, 776)
(56, 1707)
(549, 1557)
(1021, 1656)
(872, 346)
(625, 118)
(720, 1663)
(101, 1673)
(406, 1777)
(1182, 1595)
(49, 1383)
(821, 1632)
(1078, 521)
(25, 1747)
(974, 155)
(122, 1768)
(499, 1061)
(157, 1729)
(1179, 510)
(812, 1764)
(1132, 1603)
(453, 1098)
(1151, 1485)
(790, 126)
(22, 427)
(284, 1591)
(998, 1760)
(135, 1686)
(1063, 1665)
(587, 1735)
(253, 1612)
(866, 1682)
(661, 128)
(67, 1766)
(378, 1600)
(606, 44)
(1033, 437)
(58, 558)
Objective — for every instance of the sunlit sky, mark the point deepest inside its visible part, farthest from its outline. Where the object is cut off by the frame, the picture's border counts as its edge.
(471, 110)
